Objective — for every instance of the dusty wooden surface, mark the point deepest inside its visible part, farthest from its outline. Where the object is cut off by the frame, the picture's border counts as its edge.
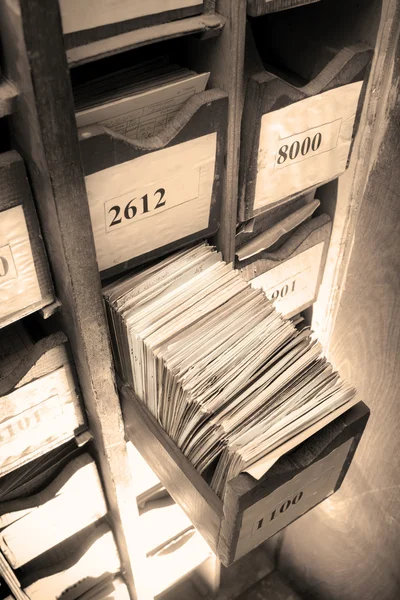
(349, 548)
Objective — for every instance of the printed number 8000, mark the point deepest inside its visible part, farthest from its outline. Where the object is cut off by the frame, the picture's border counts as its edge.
(293, 151)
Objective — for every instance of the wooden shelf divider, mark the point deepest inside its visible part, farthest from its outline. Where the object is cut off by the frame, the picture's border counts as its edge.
(44, 131)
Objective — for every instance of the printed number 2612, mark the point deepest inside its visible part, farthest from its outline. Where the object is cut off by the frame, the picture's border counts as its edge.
(131, 208)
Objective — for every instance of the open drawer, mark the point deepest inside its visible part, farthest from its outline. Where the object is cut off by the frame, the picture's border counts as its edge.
(150, 196)
(252, 510)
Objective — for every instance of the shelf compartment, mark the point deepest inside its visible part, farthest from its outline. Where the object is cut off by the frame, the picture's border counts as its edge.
(208, 24)
(193, 184)
(71, 502)
(250, 512)
(301, 113)
(25, 282)
(88, 558)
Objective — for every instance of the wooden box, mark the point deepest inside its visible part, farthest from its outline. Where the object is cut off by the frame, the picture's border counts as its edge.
(150, 196)
(300, 114)
(291, 274)
(256, 8)
(39, 399)
(25, 282)
(91, 21)
(251, 511)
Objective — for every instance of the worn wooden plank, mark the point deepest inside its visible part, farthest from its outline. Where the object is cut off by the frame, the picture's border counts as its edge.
(224, 57)
(44, 130)
(182, 481)
(256, 8)
(206, 24)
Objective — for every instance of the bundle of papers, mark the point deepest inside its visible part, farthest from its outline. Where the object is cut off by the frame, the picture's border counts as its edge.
(139, 100)
(228, 378)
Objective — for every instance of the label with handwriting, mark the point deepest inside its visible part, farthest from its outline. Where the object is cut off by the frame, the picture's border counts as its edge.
(293, 284)
(305, 144)
(151, 201)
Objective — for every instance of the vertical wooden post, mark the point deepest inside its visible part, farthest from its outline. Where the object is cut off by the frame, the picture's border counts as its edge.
(44, 131)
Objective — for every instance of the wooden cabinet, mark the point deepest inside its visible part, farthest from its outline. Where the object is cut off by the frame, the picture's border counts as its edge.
(38, 55)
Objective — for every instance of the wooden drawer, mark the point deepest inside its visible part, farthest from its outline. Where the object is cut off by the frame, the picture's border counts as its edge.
(82, 562)
(252, 510)
(291, 275)
(72, 501)
(25, 283)
(87, 22)
(38, 394)
(256, 8)
(297, 130)
(175, 178)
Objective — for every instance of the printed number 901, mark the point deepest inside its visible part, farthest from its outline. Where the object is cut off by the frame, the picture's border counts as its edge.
(284, 291)
(130, 210)
(296, 149)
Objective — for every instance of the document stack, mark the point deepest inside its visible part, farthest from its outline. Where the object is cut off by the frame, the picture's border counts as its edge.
(138, 100)
(231, 381)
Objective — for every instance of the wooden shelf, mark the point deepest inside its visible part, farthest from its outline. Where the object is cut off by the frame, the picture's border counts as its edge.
(8, 98)
(207, 24)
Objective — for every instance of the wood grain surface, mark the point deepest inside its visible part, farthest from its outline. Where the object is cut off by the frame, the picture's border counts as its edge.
(349, 548)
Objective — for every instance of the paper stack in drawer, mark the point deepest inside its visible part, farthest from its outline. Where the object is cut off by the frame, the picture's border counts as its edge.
(231, 381)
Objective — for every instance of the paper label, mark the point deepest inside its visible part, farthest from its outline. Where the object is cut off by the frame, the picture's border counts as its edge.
(19, 286)
(37, 415)
(151, 201)
(269, 515)
(305, 143)
(293, 284)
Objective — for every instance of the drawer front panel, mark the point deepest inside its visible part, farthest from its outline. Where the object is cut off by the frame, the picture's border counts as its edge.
(269, 515)
(294, 283)
(19, 286)
(151, 201)
(38, 417)
(305, 144)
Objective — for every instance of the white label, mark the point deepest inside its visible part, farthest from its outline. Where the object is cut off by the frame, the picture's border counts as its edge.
(295, 497)
(38, 416)
(305, 143)
(142, 204)
(292, 284)
(151, 201)
(19, 286)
